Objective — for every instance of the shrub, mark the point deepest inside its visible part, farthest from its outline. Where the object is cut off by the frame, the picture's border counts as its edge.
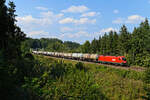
(58, 69)
(75, 86)
(29, 56)
(80, 66)
(147, 76)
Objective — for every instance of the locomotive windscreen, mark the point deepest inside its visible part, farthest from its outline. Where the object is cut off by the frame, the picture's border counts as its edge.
(124, 59)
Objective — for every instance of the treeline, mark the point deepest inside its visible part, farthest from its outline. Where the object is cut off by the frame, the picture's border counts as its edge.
(135, 46)
(50, 44)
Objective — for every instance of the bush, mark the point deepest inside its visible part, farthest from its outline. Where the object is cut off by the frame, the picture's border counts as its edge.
(147, 76)
(147, 81)
(75, 86)
(80, 66)
(58, 69)
(29, 56)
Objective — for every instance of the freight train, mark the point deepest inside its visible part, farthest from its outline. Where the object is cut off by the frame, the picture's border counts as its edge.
(116, 60)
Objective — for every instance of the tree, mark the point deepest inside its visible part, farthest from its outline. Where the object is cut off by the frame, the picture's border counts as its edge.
(124, 38)
(11, 37)
(115, 44)
(86, 47)
(109, 43)
(140, 44)
(70, 46)
(103, 49)
(94, 46)
(3, 26)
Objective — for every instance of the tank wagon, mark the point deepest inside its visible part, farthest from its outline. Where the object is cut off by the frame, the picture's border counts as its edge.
(117, 60)
(79, 56)
(94, 57)
(86, 57)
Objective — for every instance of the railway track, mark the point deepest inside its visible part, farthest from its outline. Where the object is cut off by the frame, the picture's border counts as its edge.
(139, 69)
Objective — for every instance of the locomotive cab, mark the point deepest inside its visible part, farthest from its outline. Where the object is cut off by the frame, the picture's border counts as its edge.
(124, 61)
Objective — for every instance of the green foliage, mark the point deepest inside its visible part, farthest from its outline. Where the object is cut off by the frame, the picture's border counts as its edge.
(147, 76)
(49, 44)
(99, 82)
(29, 56)
(60, 80)
(58, 69)
(11, 37)
(86, 48)
(124, 40)
(147, 81)
(95, 46)
(80, 66)
(122, 73)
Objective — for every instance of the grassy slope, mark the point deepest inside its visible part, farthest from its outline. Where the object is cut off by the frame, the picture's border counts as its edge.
(115, 84)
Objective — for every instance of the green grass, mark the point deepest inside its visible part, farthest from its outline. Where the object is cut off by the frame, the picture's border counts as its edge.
(96, 82)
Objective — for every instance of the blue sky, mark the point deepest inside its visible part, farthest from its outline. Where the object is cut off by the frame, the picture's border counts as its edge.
(78, 20)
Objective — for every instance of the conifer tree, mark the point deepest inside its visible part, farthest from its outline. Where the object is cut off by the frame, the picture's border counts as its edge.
(109, 43)
(11, 37)
(115, 44)
(140, 44)
(124, 40)
(103, 48)
(86, 47)
(94, 46)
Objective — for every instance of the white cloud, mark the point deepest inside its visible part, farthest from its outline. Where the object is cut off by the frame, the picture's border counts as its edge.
(66, 29)
(29, 23)
(106, 30)
(43, 20)
(26, 19)
(76, 9)
(77, 21)
(133, 19)
(118, 21)
(84, 21)
(66, 20)
(89, 14)
(84, 34)
(116, 11)
(102, 32)
(42, 34)
(50, 14)
(80, 34)
(41, 8)
(38, 34)
(76, 35)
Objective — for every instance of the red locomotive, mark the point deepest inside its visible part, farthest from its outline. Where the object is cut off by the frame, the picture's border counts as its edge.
(118, 60)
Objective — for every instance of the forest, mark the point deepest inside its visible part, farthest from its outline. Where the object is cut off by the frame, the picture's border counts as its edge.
(24, 76)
